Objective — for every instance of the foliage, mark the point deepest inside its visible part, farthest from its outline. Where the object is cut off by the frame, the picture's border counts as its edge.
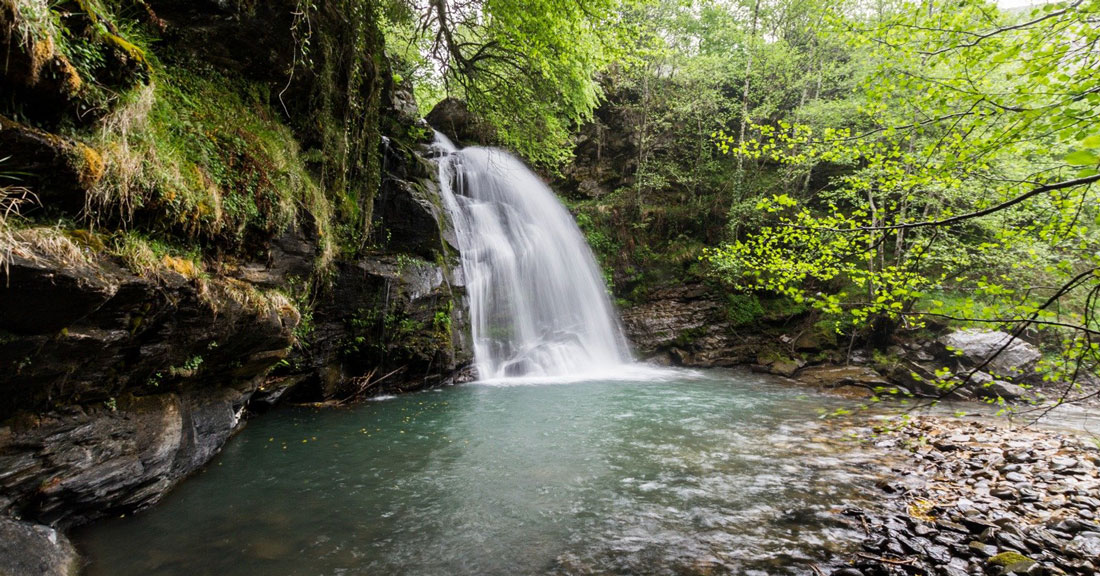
(970, 173)
(526, 67)
(197, 156)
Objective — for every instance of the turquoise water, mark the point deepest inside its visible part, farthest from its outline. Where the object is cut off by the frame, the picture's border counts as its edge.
(651, 473)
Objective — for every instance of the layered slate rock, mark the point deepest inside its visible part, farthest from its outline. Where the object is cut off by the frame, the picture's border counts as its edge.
(686, 325)
(974, 498)
(75, 465)
(79, 328)
(120, 385)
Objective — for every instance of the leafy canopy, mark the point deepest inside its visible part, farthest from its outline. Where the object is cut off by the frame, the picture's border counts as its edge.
(966, 189)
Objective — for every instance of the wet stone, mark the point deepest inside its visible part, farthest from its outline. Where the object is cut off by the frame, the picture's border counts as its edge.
(983, 550)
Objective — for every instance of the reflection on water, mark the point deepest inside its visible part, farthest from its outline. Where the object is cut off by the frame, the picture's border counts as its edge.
(680, 473)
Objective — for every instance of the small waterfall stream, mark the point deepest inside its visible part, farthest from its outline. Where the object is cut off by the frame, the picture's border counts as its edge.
(538, 304)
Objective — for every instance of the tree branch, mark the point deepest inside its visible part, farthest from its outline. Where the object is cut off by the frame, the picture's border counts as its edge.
(961, 217)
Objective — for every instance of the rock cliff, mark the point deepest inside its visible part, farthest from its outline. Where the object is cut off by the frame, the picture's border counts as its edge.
(186, 237)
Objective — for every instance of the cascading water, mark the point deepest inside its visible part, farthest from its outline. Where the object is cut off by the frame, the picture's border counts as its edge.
(538, 304)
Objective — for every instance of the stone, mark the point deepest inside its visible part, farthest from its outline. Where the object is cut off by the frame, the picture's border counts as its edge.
(1011, 562)
(785, 366)
(836, 376)
(1002, 389)
(984, 550)
(1086, 544)
(974, 347)
(27, 549)
(453, 118)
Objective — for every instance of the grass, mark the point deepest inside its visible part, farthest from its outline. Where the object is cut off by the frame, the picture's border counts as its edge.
(42, 243)
(201, 158)
(12, 199)
(155, 259)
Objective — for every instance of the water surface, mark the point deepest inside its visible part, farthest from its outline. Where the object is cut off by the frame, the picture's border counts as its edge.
(647, 473)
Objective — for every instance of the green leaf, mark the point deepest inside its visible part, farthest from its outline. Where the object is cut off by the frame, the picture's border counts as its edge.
(1081, 158)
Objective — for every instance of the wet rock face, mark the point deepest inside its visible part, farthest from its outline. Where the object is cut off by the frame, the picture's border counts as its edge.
(245, 37)
(391, 324)
(30, 549)
(72, 466)
(409, 216)
(686, 325)
(116, 385)
(81, 331)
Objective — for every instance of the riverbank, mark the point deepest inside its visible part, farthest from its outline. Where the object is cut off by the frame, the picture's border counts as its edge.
(980, 496)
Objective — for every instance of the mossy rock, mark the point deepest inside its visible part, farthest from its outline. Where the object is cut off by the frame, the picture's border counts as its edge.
(61, 171)
(44, 80)
(1011, 562)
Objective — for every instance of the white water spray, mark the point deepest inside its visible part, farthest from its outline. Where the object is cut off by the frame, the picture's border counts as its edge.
(538, 304)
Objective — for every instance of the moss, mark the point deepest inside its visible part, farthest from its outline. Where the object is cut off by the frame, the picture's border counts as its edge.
(743, 309)
(199, 157)
(90, 166)
(1009, 558)
(136, 54)
(88, 238)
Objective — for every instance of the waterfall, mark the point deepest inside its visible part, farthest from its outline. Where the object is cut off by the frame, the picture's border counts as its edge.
(538, 303)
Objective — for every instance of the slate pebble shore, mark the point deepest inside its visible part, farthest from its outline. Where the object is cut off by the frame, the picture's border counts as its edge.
(974, 498)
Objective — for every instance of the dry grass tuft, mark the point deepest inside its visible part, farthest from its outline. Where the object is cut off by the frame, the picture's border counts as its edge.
(12, 199)
(126, 154)
(50, 245)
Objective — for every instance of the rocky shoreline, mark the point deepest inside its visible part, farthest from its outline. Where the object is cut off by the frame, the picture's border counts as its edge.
(980, 498)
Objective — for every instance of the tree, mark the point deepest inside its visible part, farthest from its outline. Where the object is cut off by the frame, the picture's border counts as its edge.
(967, 189)
(528, 67)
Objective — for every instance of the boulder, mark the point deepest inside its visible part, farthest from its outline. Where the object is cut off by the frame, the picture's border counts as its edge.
(453, 118)
(918, 378)
(779, 365)
(973, 348)
(1001, 389)
(27, 549)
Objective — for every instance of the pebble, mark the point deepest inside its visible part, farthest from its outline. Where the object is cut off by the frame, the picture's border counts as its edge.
(1035, 495)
